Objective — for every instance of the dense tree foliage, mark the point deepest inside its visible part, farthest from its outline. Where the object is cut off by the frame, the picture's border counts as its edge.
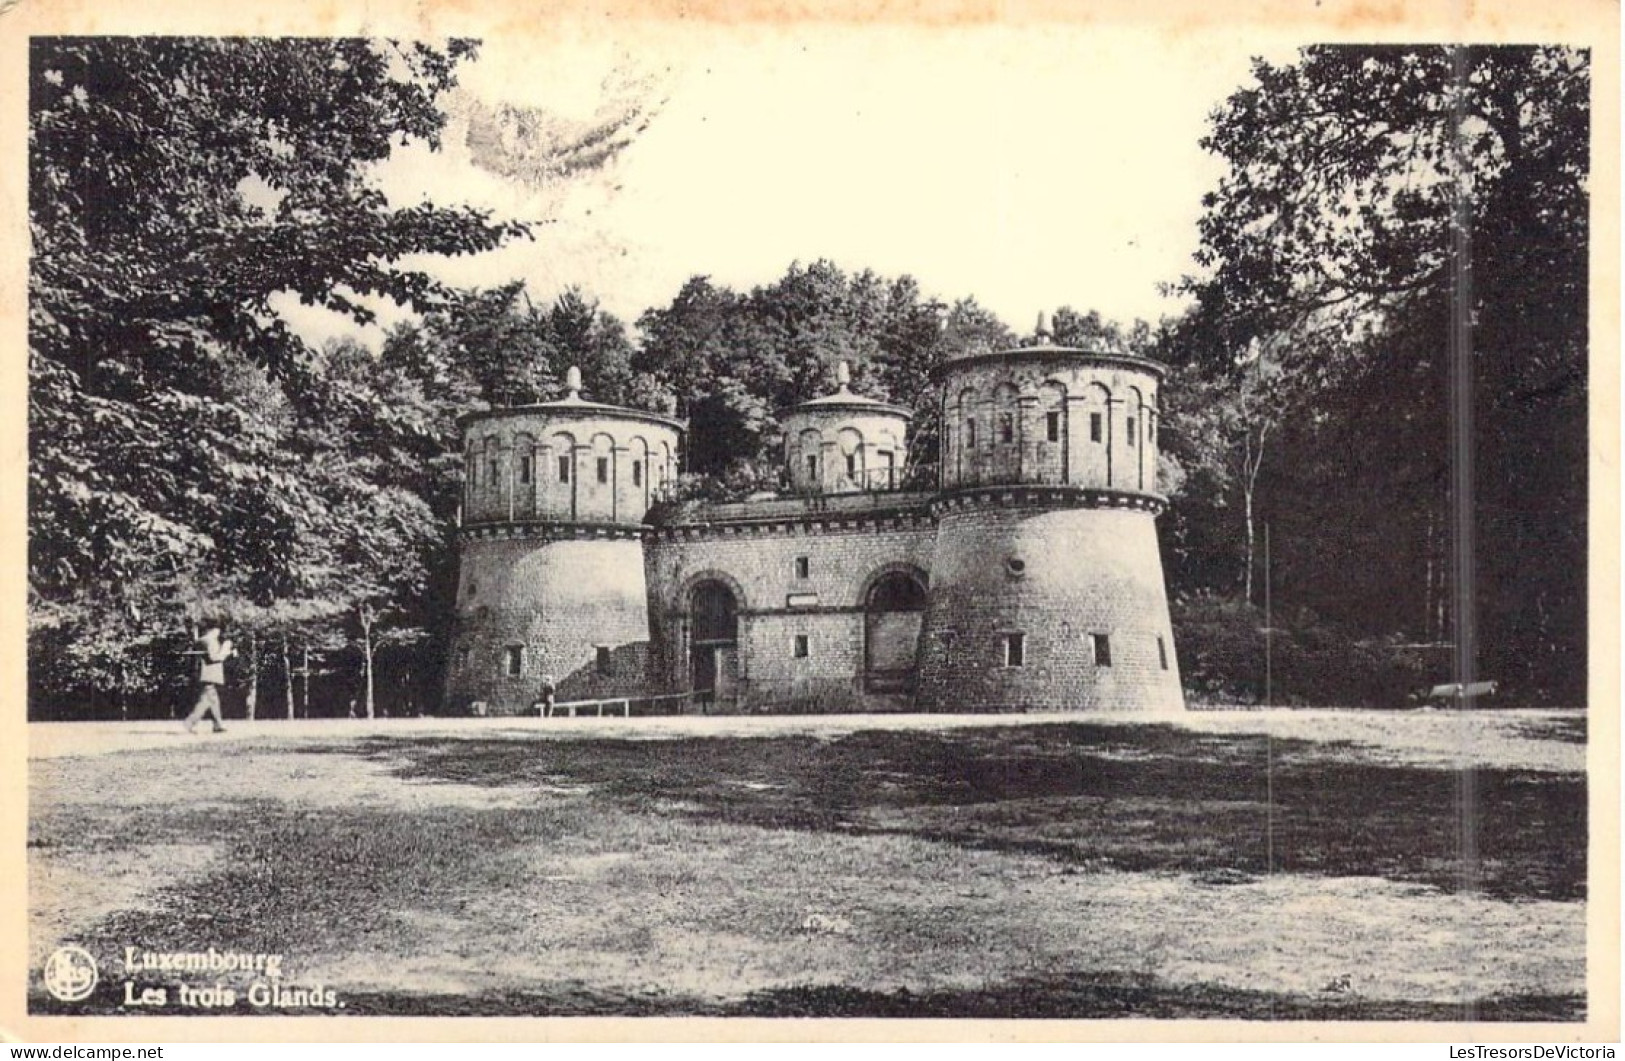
(1388, 210)
(736, 360)
(188, 451)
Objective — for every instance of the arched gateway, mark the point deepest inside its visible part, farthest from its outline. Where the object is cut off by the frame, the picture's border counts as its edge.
(713, 643)
(892, 614)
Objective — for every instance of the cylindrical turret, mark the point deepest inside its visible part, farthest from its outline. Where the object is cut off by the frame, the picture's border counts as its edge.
(571, 460)
(551, 584)
(1046, 588)
(844, 442)
(1051, 415)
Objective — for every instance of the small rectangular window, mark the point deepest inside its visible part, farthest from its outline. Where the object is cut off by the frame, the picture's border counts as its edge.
(1015, 650)
(637, 473)
(564, 469)
(491, 471)
(1103, 650)
(604, 665)
(603, 469)
(851, 464)
(801, 646)
(1162, 652)
(1007, 427)
(1150, 430)
(524, 470)
(1130, 432)
(812, 469)
(970, 434)
(803, 567)
(1052, 427)
(1094, 427)
(513, 661)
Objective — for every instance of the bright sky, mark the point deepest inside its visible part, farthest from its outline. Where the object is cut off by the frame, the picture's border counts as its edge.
(1029, 167)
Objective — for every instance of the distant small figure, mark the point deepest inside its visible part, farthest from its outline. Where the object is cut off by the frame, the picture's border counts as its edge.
(546, 696)
(211, 676)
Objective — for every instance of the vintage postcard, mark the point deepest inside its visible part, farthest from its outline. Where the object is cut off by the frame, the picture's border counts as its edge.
(1085, 521)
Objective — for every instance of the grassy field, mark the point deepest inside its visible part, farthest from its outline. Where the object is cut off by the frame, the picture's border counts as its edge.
(1262, 865)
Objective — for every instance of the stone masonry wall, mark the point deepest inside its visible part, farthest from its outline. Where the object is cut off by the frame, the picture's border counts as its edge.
(558, 602)
(776, 604)
(996, 422)
(836, 448)
(1057, 578)
(565, 464)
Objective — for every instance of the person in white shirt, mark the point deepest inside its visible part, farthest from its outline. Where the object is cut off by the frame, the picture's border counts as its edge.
(211, 676)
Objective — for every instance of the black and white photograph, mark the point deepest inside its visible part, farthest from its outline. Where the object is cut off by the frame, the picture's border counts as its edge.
(640, 513)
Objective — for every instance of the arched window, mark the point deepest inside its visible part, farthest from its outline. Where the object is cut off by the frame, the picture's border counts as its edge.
(1092, 455)
(850, 443)
(639, 449)
(808, 447)
(524, 475)
(1133, 417)
(964, 467)
(1007, 439)
(493, 462)
(1050, 452)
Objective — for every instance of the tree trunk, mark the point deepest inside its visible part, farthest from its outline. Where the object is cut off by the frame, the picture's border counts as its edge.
(1433, 604)
(1247, 492)
(287, 674)
(1253, 462)
(1440, 549)
(252, 700)
(366, 653)
(304, 674)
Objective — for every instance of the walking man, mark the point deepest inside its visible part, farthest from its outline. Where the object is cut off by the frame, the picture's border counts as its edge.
(211, 677)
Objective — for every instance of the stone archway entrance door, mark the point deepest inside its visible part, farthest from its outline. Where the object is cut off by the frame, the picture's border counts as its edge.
(892, 616)
(714, 647)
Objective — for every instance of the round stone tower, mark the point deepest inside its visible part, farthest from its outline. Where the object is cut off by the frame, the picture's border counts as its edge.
(1046, 588)
(550, 581)
(844, 442)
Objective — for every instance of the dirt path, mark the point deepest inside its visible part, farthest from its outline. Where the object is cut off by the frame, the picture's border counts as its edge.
(1510, 739)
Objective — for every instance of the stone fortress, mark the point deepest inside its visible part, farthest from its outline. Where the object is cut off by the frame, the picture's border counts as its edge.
(1027, 578)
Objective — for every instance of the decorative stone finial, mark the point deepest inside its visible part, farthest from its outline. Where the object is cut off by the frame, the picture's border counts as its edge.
(843, 376)
(572, 382)
(1042, 333)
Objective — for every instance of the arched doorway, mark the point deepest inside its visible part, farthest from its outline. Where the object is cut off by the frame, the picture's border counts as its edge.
(713, 643)
(893, 611)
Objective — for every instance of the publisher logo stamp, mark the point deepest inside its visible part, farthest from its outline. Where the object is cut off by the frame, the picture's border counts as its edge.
(70, 974)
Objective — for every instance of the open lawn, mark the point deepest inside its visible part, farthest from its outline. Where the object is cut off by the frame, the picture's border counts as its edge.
(1264, 865)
